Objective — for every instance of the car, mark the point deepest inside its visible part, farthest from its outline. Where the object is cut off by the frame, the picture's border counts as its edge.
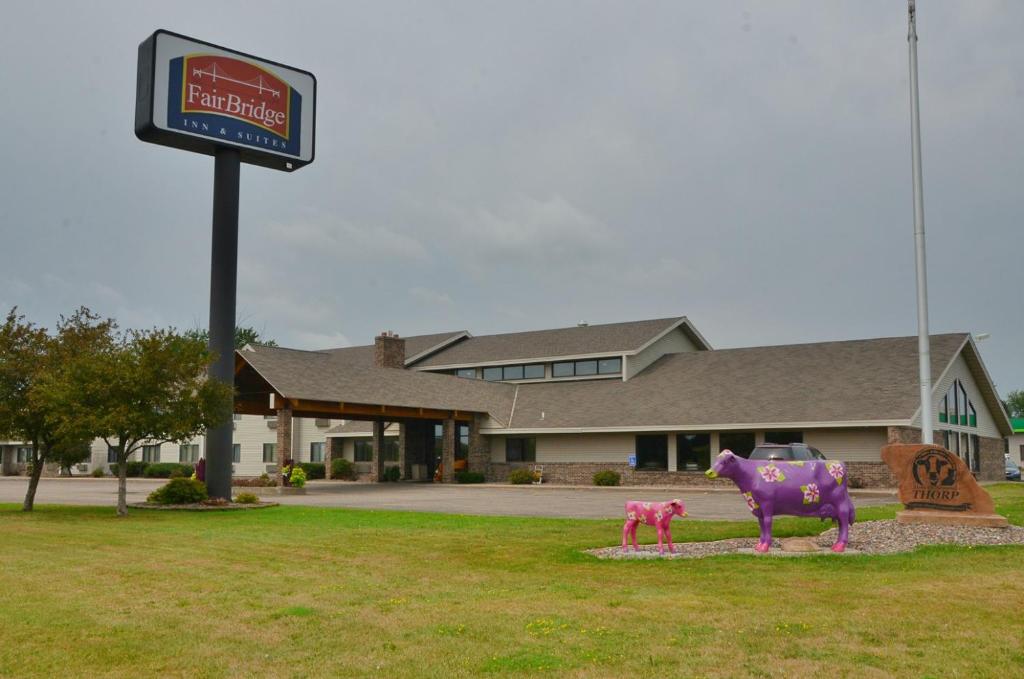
(786, 451)
(1012, 470)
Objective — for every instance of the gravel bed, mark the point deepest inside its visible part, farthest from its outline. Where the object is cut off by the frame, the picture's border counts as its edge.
(868, 537)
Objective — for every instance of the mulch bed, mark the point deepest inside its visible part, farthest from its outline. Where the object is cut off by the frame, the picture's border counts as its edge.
(204, 508)
(868, 537)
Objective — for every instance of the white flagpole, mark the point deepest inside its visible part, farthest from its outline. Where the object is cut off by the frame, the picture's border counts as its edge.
(923, 348)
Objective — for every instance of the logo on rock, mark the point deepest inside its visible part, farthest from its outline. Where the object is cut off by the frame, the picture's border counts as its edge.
(934, 468)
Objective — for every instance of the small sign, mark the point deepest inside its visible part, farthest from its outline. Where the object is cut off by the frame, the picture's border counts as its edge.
(196, 96)
(632, 461)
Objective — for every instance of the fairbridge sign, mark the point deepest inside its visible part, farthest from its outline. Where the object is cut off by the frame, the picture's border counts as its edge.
(197, 96)
(201, 97)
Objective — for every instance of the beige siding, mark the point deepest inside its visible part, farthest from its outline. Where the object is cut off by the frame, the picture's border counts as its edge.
(673, 343)
(848, 445)
(986, 422)
(1016, 443)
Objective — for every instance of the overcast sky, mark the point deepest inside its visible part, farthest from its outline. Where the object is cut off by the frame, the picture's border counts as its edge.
(522, 165)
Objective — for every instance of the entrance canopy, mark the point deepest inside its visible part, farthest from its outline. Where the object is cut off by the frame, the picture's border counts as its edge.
(326, 385)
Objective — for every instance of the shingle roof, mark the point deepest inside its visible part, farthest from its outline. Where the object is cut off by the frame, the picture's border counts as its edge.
(850, 381)
(610, 338)
(328, 376)
(414, 345)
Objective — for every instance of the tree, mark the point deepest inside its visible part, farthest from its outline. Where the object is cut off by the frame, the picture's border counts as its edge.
(243, 336)
(144, 388)
(1015, 403)
(28, 359)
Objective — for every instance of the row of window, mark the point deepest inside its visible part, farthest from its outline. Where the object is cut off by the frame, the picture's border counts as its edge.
(693, 450)
(956, 408)
(536, 371)
(189, 453)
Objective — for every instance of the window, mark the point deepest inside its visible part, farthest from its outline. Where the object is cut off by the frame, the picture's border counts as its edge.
(461, 442)
(111, 455)
(492, 374)
(269, 453)
(150, 453)
(521, 450)
(24, 454)
(693, 452)
(783, 437)
(944, 409)
(534, 372)
(652, 452)
(363, 449)
(955, 408)
(236, 452)
(316, 451)
(566, 369)
(972, 416)
(512, 372)
(391, 449)
(469, 373)
(188, 453)
(975, 454)
(964, 403)
(604, 366)
(739, 442)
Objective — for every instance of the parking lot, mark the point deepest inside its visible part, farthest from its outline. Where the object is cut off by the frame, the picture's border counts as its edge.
(551, 501)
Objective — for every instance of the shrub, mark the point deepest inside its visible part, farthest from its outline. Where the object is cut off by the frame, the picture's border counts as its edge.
(98, 473)
(179, 492)
(297, 477)
(314, 470)
(607, 477)
(167, 470)
(135, 469)
(247, 499)
(521, 476)
(262, 481)
(343, 469)
(392, 474)
(469, 477)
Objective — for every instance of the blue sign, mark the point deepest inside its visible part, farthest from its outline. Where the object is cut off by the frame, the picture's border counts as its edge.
(632, 461)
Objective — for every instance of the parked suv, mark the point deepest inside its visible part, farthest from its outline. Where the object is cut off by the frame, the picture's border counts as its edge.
(786, 451)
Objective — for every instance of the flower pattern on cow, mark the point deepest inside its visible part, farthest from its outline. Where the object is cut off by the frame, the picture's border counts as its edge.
(751, 503)
(811, 493)
(771, 473)
(837, 471)
(658, 515)
(631, 515)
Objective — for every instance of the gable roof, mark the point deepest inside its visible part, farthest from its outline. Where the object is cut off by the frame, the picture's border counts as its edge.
(587, 340)
(853, 382)
(333, 377)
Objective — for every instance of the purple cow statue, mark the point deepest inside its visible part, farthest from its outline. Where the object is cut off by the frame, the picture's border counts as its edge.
(657, 514)
(798, 488)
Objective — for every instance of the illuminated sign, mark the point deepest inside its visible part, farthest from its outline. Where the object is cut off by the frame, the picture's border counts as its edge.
(198, 96)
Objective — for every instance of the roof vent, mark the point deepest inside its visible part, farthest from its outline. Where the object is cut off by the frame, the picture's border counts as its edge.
(582, 324)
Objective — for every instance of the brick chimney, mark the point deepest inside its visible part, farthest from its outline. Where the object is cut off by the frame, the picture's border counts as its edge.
(389, 350)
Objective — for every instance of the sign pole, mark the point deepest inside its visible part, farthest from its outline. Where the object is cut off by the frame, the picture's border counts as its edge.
(223, 286)
(923, 348)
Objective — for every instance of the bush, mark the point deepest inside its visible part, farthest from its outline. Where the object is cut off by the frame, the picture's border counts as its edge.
(521, 476)
(469, 477)
(179, 492)
(98, 473)
(297, 477)
(343, 469)
(247, 499)
(135, 469)
(262, 481)
(392, 474)
(607, 477)
(314, 470)
(167, 470)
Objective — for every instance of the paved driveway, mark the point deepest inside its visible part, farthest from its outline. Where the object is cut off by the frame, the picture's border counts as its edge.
(558, 501)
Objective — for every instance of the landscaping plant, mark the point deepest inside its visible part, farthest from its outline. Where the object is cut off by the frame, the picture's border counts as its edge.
(607, 477)
(521, 476)
(179, 491)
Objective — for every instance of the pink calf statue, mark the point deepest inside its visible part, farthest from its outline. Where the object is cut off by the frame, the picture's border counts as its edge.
(657, 514)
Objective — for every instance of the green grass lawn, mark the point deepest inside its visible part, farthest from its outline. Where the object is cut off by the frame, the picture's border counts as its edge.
(330, 592)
